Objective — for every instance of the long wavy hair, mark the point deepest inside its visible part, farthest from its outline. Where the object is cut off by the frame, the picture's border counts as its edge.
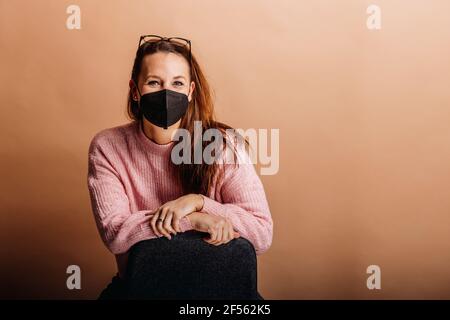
(195, 178)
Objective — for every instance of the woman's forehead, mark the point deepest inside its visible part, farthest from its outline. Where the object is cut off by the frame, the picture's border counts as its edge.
(165, 64)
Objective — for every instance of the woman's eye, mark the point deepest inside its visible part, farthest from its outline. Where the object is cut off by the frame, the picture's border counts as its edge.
(178, 83)
(150, 83)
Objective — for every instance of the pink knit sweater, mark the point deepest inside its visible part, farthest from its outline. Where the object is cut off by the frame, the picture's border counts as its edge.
(129, 175)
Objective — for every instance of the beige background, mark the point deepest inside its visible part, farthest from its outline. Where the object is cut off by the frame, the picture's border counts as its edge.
(364, 135)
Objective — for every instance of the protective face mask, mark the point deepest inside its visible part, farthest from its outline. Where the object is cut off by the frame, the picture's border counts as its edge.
(164, 108)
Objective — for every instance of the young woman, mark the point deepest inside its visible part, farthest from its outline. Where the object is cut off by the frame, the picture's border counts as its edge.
(138, 192)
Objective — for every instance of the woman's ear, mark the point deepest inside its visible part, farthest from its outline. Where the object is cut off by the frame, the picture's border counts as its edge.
(191, 91)
(133, 90)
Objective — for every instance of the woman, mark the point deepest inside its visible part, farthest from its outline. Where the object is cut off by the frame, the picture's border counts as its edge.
(138, 192)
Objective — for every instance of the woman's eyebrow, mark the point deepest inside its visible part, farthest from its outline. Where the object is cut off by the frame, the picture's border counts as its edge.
(152, 76)
(155, 76)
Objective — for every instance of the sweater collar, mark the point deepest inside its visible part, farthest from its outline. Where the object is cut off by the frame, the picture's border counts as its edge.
(149, 143)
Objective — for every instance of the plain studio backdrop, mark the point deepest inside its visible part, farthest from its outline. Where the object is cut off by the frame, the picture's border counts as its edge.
(364, 176)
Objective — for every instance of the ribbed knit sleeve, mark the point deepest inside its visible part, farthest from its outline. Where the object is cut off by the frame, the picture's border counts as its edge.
(119, 228)
(244, 203)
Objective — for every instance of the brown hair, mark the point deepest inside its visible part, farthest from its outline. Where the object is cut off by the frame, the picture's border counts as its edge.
(195, 178)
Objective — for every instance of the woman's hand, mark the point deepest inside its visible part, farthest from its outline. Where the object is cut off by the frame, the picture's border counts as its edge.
(166, 218)
(220, 229)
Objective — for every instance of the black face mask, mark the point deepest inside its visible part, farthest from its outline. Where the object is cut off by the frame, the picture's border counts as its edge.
(164, 108)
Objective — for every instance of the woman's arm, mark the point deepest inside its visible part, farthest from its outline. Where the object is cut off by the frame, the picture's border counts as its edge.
(118, 227)
(244, 203)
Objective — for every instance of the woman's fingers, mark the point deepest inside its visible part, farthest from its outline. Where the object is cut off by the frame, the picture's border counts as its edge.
(222, 234)
(160, 222)
(151, 212)
(168, 223)
(219, 235)
(163, 231)
(153, 223)
(228, 233)
(212, 235)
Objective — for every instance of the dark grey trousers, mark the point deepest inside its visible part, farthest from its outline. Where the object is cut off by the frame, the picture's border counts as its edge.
(186, 267)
